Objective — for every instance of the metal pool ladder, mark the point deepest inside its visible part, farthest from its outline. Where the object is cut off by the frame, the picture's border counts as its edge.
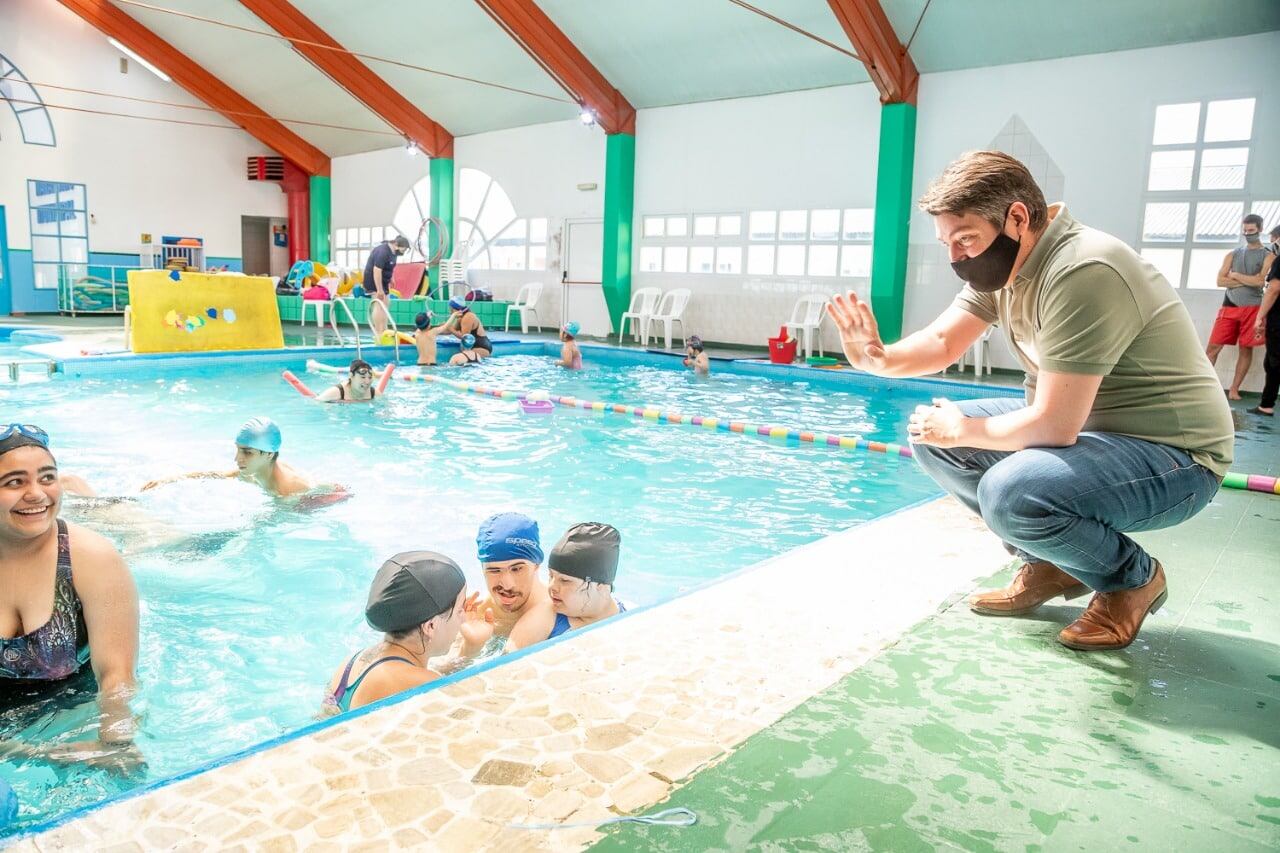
(15, 367)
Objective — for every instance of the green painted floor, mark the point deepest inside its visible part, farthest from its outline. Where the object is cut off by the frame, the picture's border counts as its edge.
(984, 734)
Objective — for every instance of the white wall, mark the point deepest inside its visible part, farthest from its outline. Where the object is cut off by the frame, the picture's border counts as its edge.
(140, 176)
(1094, 115)
(810, 150)
(366, 189)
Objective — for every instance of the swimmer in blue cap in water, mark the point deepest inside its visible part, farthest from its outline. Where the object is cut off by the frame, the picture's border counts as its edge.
(257, 461)
(570, 354)
(466, 355)
(463, 322)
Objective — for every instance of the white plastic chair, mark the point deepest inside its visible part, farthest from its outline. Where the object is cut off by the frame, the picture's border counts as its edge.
(669, 312)
(526, 303)
(318, 306)
(644, 302)
(980, 352)
(806, 320)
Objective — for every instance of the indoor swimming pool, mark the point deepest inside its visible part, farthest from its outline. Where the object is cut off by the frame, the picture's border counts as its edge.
(247, 606)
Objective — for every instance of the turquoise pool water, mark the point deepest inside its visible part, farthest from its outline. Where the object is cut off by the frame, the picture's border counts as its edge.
(238, 640)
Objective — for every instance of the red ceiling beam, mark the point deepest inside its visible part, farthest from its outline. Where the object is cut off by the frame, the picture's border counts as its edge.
(351, 74)
(560, 58)
(887, 60)
(200, 83)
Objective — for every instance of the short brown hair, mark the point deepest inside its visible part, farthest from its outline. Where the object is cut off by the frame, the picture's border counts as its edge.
(986, 183)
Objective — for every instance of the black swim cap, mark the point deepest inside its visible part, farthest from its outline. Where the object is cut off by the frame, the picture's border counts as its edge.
(411, 588)
(588, 551)
(360, 364)
(23, 435)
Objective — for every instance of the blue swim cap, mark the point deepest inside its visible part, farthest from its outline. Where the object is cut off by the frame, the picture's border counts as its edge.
(260, 434)
(509, 536)
(468, 341)
(571, 328)
(457, 303)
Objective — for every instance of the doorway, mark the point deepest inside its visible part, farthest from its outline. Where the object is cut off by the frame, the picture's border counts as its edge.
(260, 253)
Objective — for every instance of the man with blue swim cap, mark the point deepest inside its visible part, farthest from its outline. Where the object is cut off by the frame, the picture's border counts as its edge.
(510, 552)
(257, 461)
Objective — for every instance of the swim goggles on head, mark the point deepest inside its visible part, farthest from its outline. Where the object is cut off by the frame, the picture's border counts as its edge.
(32, 432)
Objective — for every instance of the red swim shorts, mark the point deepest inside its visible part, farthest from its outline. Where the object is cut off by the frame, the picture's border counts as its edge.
(1234, 327)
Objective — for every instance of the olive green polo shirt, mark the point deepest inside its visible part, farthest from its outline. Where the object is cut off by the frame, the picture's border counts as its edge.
(1086, 303)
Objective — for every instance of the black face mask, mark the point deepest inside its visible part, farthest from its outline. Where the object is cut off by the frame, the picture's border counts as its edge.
(989, 271)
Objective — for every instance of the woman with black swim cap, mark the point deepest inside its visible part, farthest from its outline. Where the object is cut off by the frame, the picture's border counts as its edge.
(419, 601)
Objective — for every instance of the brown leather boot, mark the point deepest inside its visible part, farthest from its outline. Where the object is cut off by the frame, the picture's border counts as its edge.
(1033, 585)
(1113, 619)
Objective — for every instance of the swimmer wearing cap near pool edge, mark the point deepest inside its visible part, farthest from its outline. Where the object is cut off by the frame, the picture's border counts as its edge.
(467, 355)
(509, 548)
(424, 338)
(418, 600)
(463, 321)
(570, 354)
(257, 461)
(582, 568)
(695, 357)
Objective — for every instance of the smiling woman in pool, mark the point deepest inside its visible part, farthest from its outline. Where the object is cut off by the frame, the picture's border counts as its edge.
(51, 618)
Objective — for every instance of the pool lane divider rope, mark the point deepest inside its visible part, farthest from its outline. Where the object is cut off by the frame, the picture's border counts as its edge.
(651, 413)
(1249, 482)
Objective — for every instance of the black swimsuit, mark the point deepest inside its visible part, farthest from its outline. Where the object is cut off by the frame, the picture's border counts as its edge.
(342, 393)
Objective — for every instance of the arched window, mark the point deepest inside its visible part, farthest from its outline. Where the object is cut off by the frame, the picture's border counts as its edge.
(414, 207)
(27, 106)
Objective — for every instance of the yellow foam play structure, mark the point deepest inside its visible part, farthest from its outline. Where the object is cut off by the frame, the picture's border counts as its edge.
(197, 312)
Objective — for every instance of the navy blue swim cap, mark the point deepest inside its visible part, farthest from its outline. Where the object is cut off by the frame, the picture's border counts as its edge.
(422, 320)
(457, 303)
(509, 536)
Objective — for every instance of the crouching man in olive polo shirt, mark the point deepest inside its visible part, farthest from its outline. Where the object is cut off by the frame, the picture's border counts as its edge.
(1124, 427)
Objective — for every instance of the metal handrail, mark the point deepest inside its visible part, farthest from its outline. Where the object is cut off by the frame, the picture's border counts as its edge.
(333, 321)
(395, 330)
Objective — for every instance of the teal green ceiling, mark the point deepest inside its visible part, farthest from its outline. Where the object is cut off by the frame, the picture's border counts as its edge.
(975, 33)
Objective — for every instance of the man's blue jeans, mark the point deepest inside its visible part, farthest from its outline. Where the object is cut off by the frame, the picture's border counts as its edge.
(1071, 506)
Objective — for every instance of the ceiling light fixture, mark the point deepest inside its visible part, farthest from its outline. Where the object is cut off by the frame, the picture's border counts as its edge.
(411, 148)
(587, 117)
(138, 59)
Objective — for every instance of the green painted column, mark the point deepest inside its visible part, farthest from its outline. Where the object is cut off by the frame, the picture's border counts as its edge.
(321, 210)
(619, 207)
(893, 217)
(442, 209)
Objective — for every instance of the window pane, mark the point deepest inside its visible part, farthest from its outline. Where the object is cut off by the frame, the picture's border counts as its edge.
(763, 225)
(342, 259)
(730, 226)
(1227, 121)
(1168, 262)
(1176, 124)
(364, 237)
(1203, 271)
(472, 185)
(855, 261)
(651, 259)
(729, 260)
(704, 226)
(497, 211)
(822, 260)
(824, 225)
(1166, 222)
(45, 249)
(702, 259)
(859, 223)
(1223, 168)
(675, 259)
(538, 230)
(1171, 170)
(46, 276)
(340, 238)
(538, 257)
(655, 226)
(1270, 213)
(791, 260)
(792, 225)
(1218, 222)
(75, 250)
(677, 226)
(760, 260)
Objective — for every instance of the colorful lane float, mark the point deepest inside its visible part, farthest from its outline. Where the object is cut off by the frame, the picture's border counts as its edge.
(1250, 482)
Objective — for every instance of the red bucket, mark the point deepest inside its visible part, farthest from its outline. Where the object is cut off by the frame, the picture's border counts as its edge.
(782, 349)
